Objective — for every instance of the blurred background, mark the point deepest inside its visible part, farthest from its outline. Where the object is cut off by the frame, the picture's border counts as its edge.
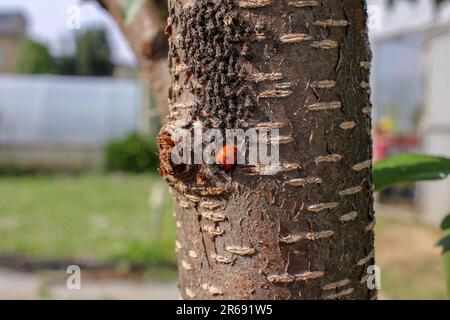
(78, 179)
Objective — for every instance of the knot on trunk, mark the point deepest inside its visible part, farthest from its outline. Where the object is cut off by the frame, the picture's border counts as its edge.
(167, 167)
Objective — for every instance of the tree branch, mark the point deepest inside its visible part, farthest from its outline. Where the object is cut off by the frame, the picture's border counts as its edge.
(146, 37)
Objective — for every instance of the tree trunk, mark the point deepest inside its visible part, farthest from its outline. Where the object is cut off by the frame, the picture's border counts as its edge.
(302, 66)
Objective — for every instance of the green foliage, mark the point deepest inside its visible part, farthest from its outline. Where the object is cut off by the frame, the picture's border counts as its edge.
(445, 242)
(65, 65)
(35, 58)
(93, 56)
(446, 223)
(135, 154)
(103, 218)
(409, 168)
(416, 167)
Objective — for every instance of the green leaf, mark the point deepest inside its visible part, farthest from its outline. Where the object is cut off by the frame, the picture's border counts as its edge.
(131, 8)
(445, 244)
(409, 168)
(446, 223)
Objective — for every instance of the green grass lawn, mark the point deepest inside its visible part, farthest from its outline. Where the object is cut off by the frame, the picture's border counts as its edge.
(104, 218)
(108, 218)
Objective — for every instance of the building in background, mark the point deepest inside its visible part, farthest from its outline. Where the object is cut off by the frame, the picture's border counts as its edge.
(410, 80)
(12, 31)
(64, 123)
(435, 124)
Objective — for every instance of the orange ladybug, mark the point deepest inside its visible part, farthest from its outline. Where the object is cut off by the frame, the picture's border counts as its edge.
(227, 157)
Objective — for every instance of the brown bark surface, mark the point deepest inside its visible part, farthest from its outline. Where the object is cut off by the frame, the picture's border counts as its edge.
(302, 66)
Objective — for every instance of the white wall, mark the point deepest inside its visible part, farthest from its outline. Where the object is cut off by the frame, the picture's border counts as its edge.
(67, 110)
(435, 196)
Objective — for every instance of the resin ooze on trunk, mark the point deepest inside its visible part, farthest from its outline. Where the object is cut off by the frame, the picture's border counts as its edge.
(301, 67)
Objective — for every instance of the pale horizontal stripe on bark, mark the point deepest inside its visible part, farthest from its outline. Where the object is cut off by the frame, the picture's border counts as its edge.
(186, 265)
(281, 140)
(311, 236)
(282, 278)
(184, 204)
(323, 206)
(325, 44)
(249, 170)
(363, 165)
(323, 106)
(193, 254)
(215, 231)
(338, 295)
(178, 245)
(192, 198)
(336, 285)
(176, 87)
(209, 205)
(351, 216)
(364, 85)
(181, 67)
(213, 216)
(271, 170)
(295, 37)
(222, 259)
(179, 224)
(187, 105)
(367, 110)
(253, 4)
(268, 170)
(284, 85)
(366, 259)
(303, 3)
(365, 278)
(260, 77)
(350, 191)
(306, 276)
(304, 182)
(329, 158)
(324, 84)
(331, 23)
(189, 293)
(212, 192)
(347, 125)
(212, 289)
(258, 37)
(241, 251)
(289, 278)
(174, 114)
(275, 94)
(371, 226)
(365, 65)
(269, 125)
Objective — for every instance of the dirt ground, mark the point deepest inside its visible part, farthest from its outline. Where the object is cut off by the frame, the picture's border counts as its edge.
(19, 285)
(411, 265)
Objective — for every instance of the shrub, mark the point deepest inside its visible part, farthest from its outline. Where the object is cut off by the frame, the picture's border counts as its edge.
(134, 153)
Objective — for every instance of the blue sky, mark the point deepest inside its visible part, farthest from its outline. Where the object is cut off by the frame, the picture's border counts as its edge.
(48, 24)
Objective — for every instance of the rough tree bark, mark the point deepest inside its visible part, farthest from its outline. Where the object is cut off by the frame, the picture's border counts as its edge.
(302, 66)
